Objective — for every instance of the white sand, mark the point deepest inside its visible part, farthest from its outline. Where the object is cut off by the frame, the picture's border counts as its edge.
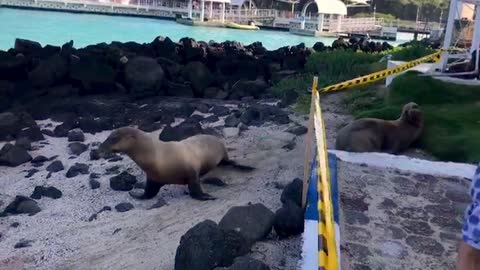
(140, 239)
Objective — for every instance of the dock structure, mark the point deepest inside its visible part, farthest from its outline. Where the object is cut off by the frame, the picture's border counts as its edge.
(317, 17)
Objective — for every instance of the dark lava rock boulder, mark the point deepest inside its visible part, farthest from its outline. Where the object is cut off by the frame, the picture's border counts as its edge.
(13, 156)
(17, 125)
(245, 88)
(165, 47)
(123, 182)
(27, 47)
(232, 121)
(50, 192)
(293, 192)
(24, 143)
(199, 76)
(192, 51)
(319, 47)
(201, 248)
(254, 222)
(220, 111)
(235, 245)
(76, 135)
(93, 76)
(13, 68)
(257, 114)
(144, 77)
(55, 166)
(289, 220)
(77, 148)
(246, 263)
(77, 169)
(49, 72)
(21, 205)
(39, 159)
(182, 131)
(124, 207)
(179, 89)
(297, 130)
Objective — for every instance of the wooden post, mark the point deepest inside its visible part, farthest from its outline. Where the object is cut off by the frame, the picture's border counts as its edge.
(308, 145)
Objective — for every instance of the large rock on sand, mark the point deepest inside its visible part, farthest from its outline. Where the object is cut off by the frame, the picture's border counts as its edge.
(21, 205)
(246, 263)
(182, 131)
(206, 246)
(13, 156)
(18, 125)
(293, 192)
(289, 220)
(201, 248)
(199, 75)
(144, 77)
(49, 71)
(254, 222)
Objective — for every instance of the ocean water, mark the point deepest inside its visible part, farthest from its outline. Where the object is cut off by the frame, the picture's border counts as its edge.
(57, 28)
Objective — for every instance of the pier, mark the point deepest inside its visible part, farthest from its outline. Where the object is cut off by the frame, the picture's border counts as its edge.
(330, 21)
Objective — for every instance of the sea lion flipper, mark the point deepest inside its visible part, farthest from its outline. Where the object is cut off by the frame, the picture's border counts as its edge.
(151, 190)
(195, 189)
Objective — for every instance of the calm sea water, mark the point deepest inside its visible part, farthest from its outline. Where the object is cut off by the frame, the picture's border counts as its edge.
(57, 28)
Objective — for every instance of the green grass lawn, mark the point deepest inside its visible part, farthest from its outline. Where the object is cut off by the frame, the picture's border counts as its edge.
(452, 114)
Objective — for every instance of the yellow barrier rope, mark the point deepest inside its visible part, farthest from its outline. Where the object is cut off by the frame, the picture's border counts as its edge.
(327, 248)
(382, 74)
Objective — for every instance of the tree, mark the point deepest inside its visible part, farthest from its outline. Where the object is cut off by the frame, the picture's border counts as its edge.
(426, 6)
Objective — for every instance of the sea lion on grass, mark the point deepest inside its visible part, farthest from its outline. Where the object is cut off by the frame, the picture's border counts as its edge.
(177, 162)
(377, 135)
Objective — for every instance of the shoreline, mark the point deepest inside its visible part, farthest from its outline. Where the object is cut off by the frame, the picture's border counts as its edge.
(112, 10)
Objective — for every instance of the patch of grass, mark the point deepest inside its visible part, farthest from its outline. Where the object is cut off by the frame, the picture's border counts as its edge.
(411, 52)
(451, 112)
(339, 66)
(300, 83)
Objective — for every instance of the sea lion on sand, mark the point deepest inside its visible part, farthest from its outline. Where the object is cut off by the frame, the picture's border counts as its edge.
(377, 135)
(177, 162)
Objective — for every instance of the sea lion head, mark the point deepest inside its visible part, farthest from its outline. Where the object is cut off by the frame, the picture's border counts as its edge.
(121, 140)
(412, 114)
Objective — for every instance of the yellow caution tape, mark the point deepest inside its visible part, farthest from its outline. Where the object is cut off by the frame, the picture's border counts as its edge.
(382, 74)
(327, 248)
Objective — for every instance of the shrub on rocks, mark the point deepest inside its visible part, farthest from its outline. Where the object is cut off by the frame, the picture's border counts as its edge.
(254, 222)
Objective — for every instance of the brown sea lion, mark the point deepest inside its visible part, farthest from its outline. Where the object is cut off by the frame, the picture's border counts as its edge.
(377, 135)
(180, 163)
